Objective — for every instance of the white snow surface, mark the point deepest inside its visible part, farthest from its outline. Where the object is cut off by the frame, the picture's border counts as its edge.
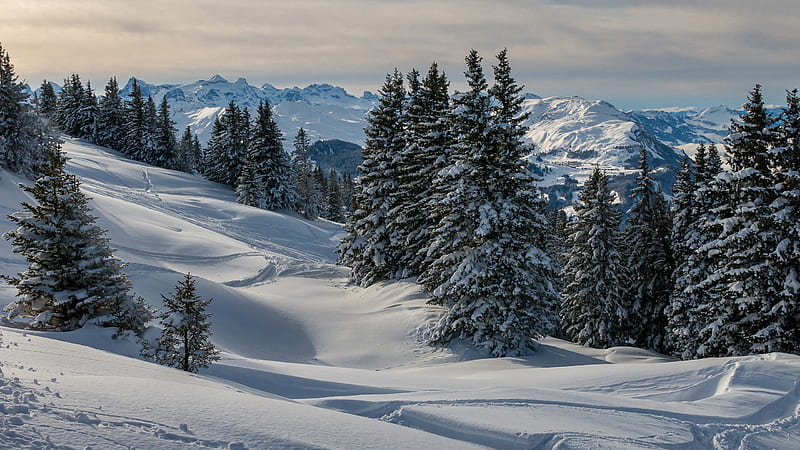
(311, 362)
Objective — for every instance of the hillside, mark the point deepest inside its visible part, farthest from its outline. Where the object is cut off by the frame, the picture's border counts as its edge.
(312, 362)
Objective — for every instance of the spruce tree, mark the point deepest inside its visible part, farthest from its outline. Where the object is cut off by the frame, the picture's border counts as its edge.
(71, 102)
(781, 329)
(303, 172)
(423, 156)
(370, 248)
(745, 281)
(25, 139)
(333, 198)
(48, 100)
(185, 341)
(595, 309)
(649, 260)
(227, 147)
(136, 128)
(187, 153)
(165, 152)
(500, 285)
(110, 127)
(271, 167)
(73, 276)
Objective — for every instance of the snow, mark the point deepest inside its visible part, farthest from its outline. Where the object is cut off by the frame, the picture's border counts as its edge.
(310, 361)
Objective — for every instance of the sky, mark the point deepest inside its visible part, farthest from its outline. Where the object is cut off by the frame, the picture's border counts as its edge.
(633, 53)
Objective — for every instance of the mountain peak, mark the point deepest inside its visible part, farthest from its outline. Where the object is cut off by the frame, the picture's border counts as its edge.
(217, 79)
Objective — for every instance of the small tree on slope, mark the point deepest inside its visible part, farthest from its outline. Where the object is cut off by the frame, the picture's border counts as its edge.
(73, 276)
(185, 340)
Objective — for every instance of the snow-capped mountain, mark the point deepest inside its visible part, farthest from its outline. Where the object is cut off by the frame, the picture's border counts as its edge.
(325, 111)
(689, 126)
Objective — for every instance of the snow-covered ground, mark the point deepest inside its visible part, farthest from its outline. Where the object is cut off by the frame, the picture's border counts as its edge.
(311, 362)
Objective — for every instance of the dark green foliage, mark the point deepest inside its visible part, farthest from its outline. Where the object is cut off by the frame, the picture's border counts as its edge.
(308, 193)
(596, 307)
(25, 140)
(227, 147)
(649, 260)
(165, 151)
(369, 248)
(73, 276)
(185, 341)
(48, 100)
(110, 128)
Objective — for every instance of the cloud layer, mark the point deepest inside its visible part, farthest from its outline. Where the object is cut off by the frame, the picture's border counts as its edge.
(633, 53)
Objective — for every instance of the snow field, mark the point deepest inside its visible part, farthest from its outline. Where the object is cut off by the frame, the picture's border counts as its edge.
(311, 362)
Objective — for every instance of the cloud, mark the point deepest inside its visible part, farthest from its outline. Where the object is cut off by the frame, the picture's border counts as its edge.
(600, 48)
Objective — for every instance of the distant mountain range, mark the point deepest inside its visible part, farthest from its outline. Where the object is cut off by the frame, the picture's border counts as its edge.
(571, 134)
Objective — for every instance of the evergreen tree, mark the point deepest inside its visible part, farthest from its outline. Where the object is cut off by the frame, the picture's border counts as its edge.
(304, 183)
(88, 113)
(369, 248)
(744, 283)
(188, 152)
(781, 330)
(72, 103)
(135, 122)
(25, 140)
(423, 156)
(73, 276)
(185, 341)
(333, 198)
(148, 152)
(110, 126)
(595, 309)
(649, 260)
(227, 147)
(694, 232)
(165, 154)
(271, 168)
(48, 100)
(500, 282)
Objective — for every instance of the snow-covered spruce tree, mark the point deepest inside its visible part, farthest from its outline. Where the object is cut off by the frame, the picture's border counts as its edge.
(426, 142)
(689, 310)
(227, 147)
(185, 341)
(271, 168)
(135, 122)
(369, 247)
(165, 151)
(745, 283)
(148, 152)
(781, 332)
(110, 124)
(308, 196)
(499, 289)
(25, 139)
(595, 309)
(48, 100)
(333, 198)
(186, 155)
(73, 276)
(70, 104)
(648, 260)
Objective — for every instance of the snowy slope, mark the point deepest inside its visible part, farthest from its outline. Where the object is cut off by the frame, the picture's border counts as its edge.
(310, 361)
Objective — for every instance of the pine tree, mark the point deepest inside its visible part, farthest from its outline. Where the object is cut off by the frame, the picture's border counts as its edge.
(227, 147)
(689, 312)
(185, 341)
(165, 152)
(595, 309)
(500, 285)
(781, 330)
(333, 198)
(271, 167)
(25, 140)
(303, 172)
(88, 113)
(745, 281)
(71, 103)
(110, 126)
(73, 276)
(187, 153)
(135, 122)
(427, 141)
(649, 260)
(148, 152)
(369, 247)
(48, 100)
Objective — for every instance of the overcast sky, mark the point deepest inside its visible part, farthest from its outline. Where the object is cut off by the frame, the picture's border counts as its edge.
(633, 53)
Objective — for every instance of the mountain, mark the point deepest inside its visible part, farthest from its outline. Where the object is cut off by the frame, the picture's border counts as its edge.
(310, 361)
(325, 111)
(690, 126)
